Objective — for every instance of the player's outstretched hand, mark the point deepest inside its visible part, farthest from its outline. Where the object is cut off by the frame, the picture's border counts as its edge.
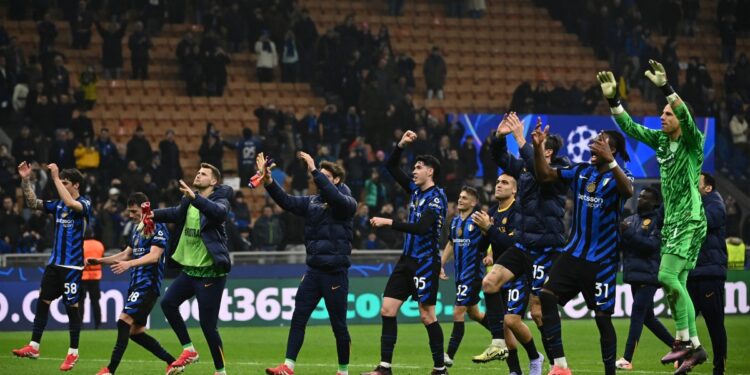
(608, 84)
(443, 275)
(120, 267)
(24, 169)
(186, 190)
(482, 220)
(515, 125)
(487, 261)
(307, 159)
(539, 136)
(659, 76)
(378, 222)
(407, 138)
(601, 149)
(54, 171)
(502, 127)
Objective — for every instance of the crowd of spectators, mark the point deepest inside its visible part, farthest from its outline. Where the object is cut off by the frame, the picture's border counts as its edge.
(369, 89)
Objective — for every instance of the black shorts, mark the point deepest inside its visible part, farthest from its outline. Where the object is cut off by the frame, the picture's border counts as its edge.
(570, 275)
(60, 281)
(542, 264)
(467, 293)
(516, 261)
(516, 295)
(413, 277)
(139, 304)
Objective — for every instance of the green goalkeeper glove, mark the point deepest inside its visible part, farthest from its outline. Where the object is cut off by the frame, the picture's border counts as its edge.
(659, 76)
(609, 88)
(608, 83)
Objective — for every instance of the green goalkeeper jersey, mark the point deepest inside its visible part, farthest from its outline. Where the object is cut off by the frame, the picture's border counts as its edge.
(680, 164)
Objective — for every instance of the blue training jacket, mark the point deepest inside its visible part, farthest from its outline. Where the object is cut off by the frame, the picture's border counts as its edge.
(542, 206)
(640, 245)
(329, 221)
(214, 211)
(712, 260)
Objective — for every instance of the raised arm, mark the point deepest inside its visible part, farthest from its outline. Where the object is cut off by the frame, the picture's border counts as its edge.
(622, 118)
(62, 191)
(217, 210)
(167, 215)
(525, 149)
(330, 194)
(544, 173)
(293, 204)
(32, 202)
(392, 164)
(600, 147)
(690, 133)
(499, 146)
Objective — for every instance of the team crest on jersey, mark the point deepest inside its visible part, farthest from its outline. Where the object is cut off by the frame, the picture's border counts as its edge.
(505, 220)
(673, 146)
(591, 187)
(64, 215)
(471, 227)
(646, 223)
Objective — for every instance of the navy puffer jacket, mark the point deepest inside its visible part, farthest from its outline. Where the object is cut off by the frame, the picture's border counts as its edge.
(214, 210)
(640, 243)
(329, 218)
(712, 260)
(542, 206)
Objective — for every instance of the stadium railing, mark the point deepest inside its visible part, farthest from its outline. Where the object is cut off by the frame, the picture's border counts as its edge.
(241, 257)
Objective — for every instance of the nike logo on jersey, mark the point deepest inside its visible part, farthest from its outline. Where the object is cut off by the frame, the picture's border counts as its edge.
(335, 287)
(207, 285)
(709, 295)
(600, 303)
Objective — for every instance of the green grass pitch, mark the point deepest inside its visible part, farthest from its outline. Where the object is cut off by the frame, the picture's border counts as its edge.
(249, 350)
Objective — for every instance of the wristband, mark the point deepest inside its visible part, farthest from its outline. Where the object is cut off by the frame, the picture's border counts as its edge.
(671, 98)
(614, 102)
(617, 110)
(612, 165)
(667, 89)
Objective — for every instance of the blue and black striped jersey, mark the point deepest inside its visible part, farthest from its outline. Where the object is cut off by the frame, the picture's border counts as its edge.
(466, 236)
(70, 226)
(597, 206)
(428, 245)
(148, 277)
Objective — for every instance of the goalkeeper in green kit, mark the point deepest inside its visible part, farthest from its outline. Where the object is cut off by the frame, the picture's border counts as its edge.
(679, 151)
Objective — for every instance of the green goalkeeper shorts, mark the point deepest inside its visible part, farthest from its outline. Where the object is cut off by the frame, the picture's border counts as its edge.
(684, 239)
